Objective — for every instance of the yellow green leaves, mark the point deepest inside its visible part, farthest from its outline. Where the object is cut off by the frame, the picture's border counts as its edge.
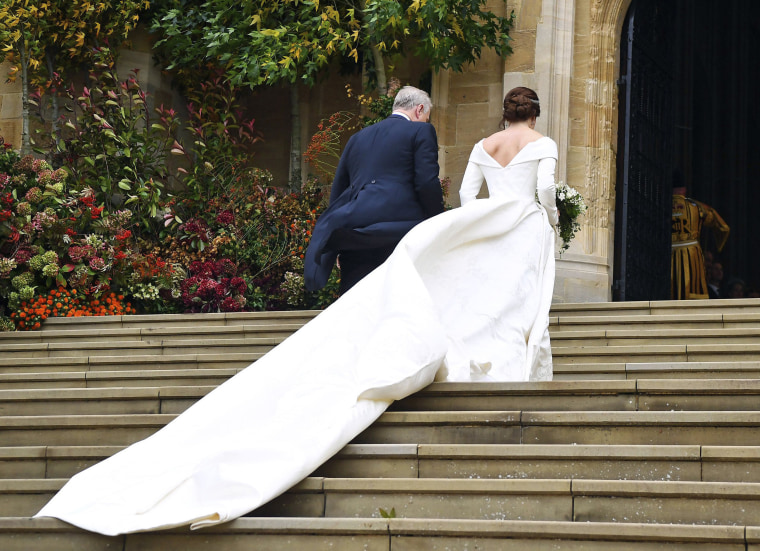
(70, 27)
(268, 41)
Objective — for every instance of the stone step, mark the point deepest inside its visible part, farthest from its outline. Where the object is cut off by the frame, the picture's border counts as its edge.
(554, 500)
(151, 334)
(139, 362)
(652, 419)
(579, 325)
(116, 379)
(248, 345)
(13, 371)
(241, 352)
(670, 502)
(658, 307)
(575, 427)
(623, 328)
(716, 428)
(724, 319)
(179, 321)
(715, 313)
(79, 430)
(645, 345)
(387, 534)
(679, 336)
(656, 370)
(499, 461)
(608, 395)
(100, 401)
(634, 395)
(698, 369)
(725, 307)
(656, 353)
(609, 462)
(380, 460)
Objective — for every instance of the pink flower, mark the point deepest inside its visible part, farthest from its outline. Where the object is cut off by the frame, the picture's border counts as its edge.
(97, 264)
(239, 285)
(224, 267)
(22, 255)
(225, 218)
(233, 304)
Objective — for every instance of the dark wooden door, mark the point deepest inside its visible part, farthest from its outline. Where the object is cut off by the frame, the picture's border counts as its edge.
(645, 151)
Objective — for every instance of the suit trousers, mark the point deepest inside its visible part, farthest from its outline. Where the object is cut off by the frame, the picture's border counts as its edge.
(355, 264)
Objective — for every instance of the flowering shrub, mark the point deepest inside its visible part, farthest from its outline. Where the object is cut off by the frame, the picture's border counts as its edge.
(62, 302)
(570, 206)
(323, 151)
(257, 227)
(213, 287)
(153, 284)
(54, 236)
(231, 240)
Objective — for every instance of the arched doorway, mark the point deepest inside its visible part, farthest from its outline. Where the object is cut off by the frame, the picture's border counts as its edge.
(689, 83)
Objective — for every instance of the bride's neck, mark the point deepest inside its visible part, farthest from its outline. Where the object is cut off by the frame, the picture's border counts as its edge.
(519, 126)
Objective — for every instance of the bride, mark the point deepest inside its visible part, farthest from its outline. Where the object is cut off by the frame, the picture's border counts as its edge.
(465, 296)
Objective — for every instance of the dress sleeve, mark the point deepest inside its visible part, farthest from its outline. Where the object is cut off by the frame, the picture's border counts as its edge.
(471, 183)
(547, 189)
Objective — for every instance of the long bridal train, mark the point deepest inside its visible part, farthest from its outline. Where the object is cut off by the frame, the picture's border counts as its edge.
(465, 296)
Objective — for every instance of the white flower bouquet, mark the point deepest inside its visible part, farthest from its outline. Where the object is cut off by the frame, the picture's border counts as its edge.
(570, 206)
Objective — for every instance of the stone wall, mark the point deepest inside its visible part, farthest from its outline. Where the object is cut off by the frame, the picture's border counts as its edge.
(10, 108)
(468, 105)
(585, 271)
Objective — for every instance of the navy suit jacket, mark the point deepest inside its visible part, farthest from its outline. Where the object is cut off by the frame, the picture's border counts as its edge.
(385, 184)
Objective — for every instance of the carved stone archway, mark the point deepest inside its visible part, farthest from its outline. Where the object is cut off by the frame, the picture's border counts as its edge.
(584, 273)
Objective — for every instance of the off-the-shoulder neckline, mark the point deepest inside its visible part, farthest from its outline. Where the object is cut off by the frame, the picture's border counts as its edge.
(480, 143)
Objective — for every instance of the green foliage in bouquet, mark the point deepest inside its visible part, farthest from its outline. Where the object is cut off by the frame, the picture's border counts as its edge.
(570, 206)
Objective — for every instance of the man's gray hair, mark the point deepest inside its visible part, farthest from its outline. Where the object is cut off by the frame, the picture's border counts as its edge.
(410, 97)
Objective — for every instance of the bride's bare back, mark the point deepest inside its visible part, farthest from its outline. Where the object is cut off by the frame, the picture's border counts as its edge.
(505, 145)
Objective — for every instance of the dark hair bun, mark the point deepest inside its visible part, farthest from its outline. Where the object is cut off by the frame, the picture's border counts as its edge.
(520, 104)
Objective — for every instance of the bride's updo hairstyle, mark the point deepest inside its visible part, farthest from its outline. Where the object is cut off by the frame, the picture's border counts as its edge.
(520, 104)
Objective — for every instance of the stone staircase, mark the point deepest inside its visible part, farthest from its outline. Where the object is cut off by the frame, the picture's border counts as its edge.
(649, 436)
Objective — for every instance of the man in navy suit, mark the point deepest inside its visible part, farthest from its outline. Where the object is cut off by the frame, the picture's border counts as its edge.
(386, 183)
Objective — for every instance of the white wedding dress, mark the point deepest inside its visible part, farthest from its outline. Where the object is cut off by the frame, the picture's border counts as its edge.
(464, 297)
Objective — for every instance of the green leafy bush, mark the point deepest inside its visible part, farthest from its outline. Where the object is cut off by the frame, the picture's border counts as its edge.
(114, 145)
